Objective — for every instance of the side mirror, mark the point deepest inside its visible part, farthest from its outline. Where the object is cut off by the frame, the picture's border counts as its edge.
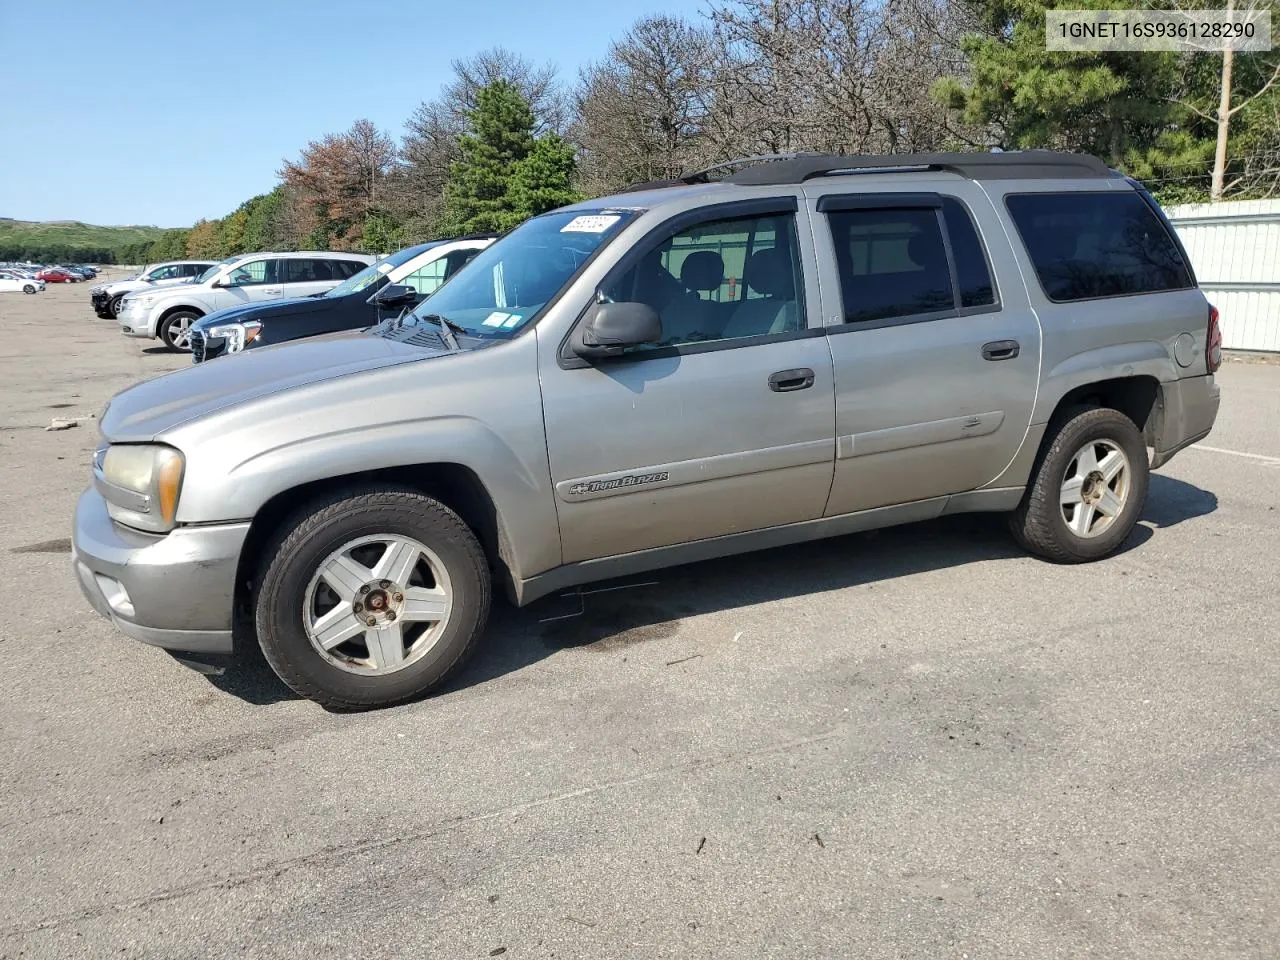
(222, 282)
(612, 326)
(395, 295)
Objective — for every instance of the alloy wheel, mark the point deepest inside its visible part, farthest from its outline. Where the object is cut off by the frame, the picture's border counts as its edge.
(1095, 488)
(377, 604)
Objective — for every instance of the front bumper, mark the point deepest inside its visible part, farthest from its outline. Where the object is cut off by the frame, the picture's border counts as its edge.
(175, 591)
(1185, 414)
(133, 323)
(99, 301)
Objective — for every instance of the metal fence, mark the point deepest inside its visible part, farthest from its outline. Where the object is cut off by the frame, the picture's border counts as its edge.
(1235, 249)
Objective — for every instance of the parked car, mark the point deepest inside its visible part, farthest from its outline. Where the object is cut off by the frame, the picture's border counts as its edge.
(246, 278)
(80, 273)
(10, 281)
(106, 297)
(57, 275)
(801, 349)
(381, 290)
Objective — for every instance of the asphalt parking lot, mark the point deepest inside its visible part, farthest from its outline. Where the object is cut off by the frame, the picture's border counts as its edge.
(916, 743)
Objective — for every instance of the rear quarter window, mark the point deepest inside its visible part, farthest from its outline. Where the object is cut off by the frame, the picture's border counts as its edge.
(1086, 246)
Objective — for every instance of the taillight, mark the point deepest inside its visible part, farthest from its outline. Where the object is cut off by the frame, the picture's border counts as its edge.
(1213, 342)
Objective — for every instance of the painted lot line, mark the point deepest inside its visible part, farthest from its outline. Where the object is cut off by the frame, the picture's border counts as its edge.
(1264, 460)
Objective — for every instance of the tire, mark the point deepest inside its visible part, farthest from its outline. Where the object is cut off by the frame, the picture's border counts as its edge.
(175, 330)
(113, 307)
(291, 595)
(1052, 521)
(29, 288)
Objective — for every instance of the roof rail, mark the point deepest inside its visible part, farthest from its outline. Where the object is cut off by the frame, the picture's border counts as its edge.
(1006, 165)
(790, 168)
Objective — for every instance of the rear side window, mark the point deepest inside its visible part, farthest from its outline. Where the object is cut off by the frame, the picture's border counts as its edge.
(893, 262)
(1090, 245)
(972, 273)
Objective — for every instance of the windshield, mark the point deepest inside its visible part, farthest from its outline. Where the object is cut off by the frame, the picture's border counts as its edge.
(213, 271)
(507, 283)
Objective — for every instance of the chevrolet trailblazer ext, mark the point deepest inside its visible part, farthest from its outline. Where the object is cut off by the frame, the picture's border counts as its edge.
(807, 347)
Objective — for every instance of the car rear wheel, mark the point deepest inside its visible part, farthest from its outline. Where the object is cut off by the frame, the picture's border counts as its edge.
(370, 598)
(175, 330)
(1088, 488)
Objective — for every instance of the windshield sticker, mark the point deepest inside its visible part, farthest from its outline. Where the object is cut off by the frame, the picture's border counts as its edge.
(590, 224)
(513, 320)
(495, 319)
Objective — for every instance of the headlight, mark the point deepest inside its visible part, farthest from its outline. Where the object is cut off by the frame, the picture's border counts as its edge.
(237, 335)
(140, 301)
(141, 483)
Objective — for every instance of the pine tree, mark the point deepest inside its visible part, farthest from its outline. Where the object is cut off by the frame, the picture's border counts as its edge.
(543, 180)
(504, 175)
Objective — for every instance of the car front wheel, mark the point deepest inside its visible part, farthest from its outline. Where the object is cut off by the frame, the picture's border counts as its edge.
(29, 288)
(113, 306)
(1088, 489)
(175, 330)
(370, 598)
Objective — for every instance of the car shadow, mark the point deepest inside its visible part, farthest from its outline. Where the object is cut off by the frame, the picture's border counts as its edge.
(158, 351)
(1171, 501)
(612, 614)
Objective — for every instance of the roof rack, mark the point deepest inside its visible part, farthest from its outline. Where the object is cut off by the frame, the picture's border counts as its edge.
(790, 168)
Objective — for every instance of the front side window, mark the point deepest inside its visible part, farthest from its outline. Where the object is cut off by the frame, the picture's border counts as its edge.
(255, 273)
(164, 273)
(509, 283)
(1090, 245)
(893, 263)
(721, 280)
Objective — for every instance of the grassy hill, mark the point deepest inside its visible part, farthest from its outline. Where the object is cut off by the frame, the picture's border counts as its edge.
(24, 235)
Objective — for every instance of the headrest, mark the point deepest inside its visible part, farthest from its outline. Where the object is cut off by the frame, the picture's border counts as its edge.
(769, 272)
(702, 270)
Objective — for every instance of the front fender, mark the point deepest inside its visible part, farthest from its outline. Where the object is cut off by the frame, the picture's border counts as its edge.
(481, 411)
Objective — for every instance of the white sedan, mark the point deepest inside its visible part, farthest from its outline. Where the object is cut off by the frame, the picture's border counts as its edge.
(10, 282)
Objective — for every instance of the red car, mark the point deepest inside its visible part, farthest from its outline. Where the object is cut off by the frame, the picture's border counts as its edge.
(56, 276)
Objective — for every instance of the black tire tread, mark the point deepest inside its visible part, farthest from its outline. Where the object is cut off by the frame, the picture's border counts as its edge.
(319, 512)
(1032, 521)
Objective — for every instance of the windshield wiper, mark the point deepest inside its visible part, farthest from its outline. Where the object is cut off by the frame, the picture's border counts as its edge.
(447, 329)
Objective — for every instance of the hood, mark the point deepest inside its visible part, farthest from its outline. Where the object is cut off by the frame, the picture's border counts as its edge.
(142, 412)
(263, 310)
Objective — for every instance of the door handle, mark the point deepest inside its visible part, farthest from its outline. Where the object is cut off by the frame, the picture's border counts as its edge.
(784, 381)
(1000, 350)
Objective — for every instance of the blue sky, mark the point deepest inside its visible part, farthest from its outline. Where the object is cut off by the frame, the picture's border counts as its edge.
(163, 113)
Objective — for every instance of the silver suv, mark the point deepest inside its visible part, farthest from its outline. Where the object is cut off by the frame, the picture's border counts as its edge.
(106, 297)
(803, 348)
(246, 278)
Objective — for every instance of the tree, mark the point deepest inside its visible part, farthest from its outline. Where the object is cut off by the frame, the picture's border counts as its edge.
(501, 135)
(339, 177)
(642, 109)
(231, 232)
(202, 240)
(415, 189)
(543, 180)
(1022, 95)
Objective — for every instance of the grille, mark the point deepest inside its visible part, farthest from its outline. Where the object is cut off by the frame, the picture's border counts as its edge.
(197, 346)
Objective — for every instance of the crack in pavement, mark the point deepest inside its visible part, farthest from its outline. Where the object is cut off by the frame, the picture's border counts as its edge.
(346, 850)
